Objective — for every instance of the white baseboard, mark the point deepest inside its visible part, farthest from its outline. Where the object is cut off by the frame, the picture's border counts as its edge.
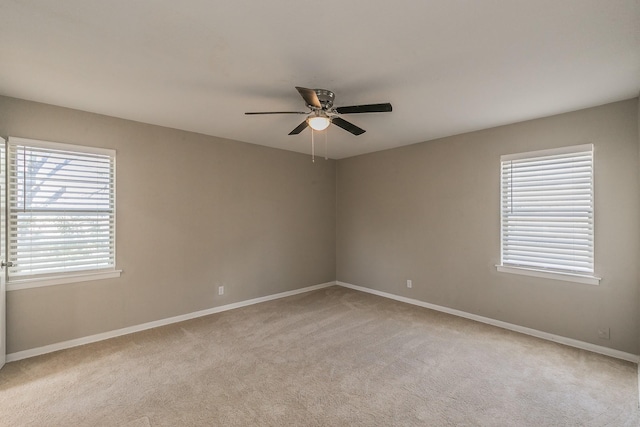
(150, 325)
(527, 331)
(19, 355)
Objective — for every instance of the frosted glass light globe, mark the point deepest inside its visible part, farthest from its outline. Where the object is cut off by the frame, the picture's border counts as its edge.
(319, 122)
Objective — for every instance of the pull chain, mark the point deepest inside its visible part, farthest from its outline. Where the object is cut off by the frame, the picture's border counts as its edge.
(326, 157)
(313, 149)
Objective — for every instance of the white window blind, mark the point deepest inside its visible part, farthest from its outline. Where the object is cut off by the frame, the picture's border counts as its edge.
(547, 210)
(61, 203)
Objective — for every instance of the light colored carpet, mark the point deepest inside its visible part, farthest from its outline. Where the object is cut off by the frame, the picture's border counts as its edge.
(332, 357)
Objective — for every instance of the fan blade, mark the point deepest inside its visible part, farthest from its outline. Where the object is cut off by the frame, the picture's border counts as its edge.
(302, 126)
(277, 112)
(309, 96)
(349, 127)
(369, 108)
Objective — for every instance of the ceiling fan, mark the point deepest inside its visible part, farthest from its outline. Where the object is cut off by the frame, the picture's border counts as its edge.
(323, 113)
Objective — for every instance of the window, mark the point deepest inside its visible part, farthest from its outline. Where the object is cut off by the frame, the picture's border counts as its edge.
(547, 214)
(61, 212)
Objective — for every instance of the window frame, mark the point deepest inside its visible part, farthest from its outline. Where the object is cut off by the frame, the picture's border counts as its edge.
(555, 274)
(49, 279)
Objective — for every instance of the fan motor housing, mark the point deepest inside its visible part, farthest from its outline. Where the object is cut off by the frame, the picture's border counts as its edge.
(326, 98)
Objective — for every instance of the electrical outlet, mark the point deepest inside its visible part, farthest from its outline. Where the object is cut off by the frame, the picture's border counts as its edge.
(220, 290)
(603, 333)
(409, 284)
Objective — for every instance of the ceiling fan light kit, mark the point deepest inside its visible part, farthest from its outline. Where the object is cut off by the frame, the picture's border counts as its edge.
(323, 113)
(319, 122)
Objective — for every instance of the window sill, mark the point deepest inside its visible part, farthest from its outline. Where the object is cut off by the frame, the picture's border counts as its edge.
(567, 277)
(17, 285)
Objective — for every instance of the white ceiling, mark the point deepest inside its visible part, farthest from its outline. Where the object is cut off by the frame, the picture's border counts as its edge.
(447, 66)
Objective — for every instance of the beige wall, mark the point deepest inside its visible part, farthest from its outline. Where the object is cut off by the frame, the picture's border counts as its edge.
(430, 212)
(193, 212)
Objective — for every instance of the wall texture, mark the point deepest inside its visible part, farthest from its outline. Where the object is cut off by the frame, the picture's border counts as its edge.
(430, 212)
(193, 212)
